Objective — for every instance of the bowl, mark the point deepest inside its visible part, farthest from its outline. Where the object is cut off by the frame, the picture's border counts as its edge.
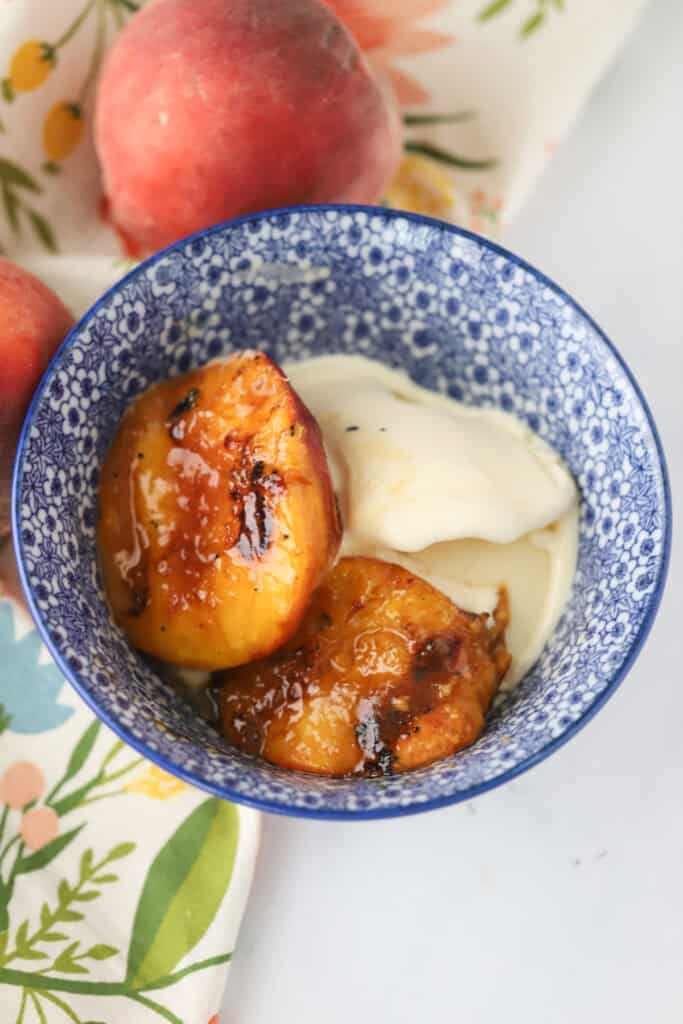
(460, 315)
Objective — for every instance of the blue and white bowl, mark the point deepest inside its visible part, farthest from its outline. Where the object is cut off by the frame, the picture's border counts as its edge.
(461, 316)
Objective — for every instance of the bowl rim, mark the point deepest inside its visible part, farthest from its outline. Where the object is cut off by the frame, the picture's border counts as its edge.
(387, 213)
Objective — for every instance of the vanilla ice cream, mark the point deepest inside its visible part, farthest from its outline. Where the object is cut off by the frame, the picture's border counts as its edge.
(469, 499)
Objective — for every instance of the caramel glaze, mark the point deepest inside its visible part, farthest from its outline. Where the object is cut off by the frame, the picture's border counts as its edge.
(225, 502)
(217, 515)
(384, 674)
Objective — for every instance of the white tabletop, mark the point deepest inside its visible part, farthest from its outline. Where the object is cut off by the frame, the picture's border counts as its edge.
(557, 898)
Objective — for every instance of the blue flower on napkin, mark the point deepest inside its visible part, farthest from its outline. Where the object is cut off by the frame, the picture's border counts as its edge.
(29, 691)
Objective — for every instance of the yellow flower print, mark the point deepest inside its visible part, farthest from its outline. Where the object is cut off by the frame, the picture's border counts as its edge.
(156, 783)
(420, 186)
(32, 62)
(30, 66)
(62, 130)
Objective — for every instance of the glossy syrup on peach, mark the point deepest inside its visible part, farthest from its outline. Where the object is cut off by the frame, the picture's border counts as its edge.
(385, 673)
(217, 515)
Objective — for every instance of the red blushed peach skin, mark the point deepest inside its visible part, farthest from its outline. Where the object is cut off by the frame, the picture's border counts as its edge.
(384, 674)
(217, 514)
(207, 109)
(33, 323)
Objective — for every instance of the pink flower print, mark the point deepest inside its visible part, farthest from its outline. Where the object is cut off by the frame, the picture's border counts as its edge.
(386, 29)
(22, 783)
(39, 826)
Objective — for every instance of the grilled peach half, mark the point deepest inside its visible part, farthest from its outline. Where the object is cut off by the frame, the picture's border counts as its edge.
(384, 674)
(217, 514)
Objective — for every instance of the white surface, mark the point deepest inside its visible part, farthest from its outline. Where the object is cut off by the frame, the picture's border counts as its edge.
(557, 898)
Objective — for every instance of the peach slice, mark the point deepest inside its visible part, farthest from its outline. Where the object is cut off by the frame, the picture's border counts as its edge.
(217, 514)
(385, 673)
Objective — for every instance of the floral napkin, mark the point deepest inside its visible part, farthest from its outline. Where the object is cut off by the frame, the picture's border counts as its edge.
(121, 888)
(491, 87)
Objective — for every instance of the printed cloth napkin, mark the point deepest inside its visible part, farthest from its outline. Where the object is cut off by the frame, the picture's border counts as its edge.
(121, 888)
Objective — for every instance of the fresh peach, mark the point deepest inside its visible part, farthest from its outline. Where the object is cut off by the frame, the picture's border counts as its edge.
(207, 109)
(33, 322)
(217, 514)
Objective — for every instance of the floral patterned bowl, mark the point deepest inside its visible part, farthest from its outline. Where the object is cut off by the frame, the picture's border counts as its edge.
(457, 313)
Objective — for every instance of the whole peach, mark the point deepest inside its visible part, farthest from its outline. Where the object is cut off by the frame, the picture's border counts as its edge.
(33, 321)
(207, 109)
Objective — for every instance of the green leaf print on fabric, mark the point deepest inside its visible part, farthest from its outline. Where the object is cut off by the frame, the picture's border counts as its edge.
(14, 183)
(182, 892)
(42, 857)
(534, 20)
(11, 174)
(451, 159)
(27, 939)
(43, 231)
(82, 750)
(492, 9)
(5, 719)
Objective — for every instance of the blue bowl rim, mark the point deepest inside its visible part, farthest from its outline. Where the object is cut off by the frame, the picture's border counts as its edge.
(322, 813)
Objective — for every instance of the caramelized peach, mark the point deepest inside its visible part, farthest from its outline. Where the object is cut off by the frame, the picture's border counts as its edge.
(217, 515)
(385, 673)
